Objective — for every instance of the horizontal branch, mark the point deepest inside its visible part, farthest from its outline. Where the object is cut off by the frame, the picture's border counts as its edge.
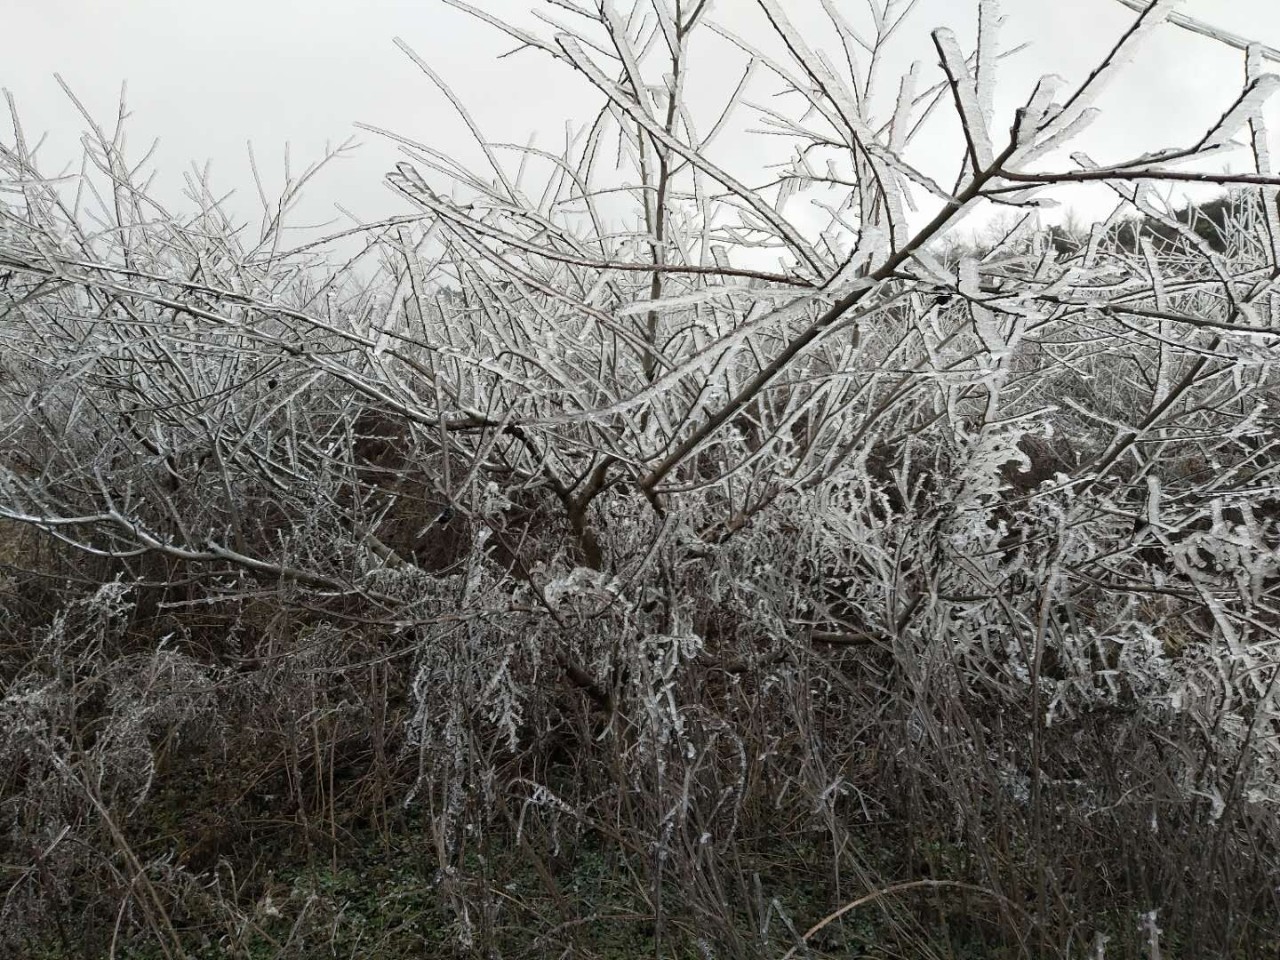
(1113, 174)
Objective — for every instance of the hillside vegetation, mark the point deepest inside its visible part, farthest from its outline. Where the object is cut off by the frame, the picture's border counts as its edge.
(602, 565)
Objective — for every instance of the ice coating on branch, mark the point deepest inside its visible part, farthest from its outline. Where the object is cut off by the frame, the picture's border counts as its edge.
(1039, 104)
(1120, 58)
(1057, 139)
(989, 21)
(699, 297)
(618, 30)
(833, 86)
(622, 98)
(1245, 110)
(933, 268)
(1261, 142)
(971, 114)
(716, 356)
(667, 21)
(902, 112)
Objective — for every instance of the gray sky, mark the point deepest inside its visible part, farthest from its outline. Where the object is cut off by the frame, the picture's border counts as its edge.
(207, 77)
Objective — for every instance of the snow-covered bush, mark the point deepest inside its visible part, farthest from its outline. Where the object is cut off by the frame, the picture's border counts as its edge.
(617, 502)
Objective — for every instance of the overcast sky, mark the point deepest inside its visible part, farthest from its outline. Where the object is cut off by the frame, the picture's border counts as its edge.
(205, 77)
